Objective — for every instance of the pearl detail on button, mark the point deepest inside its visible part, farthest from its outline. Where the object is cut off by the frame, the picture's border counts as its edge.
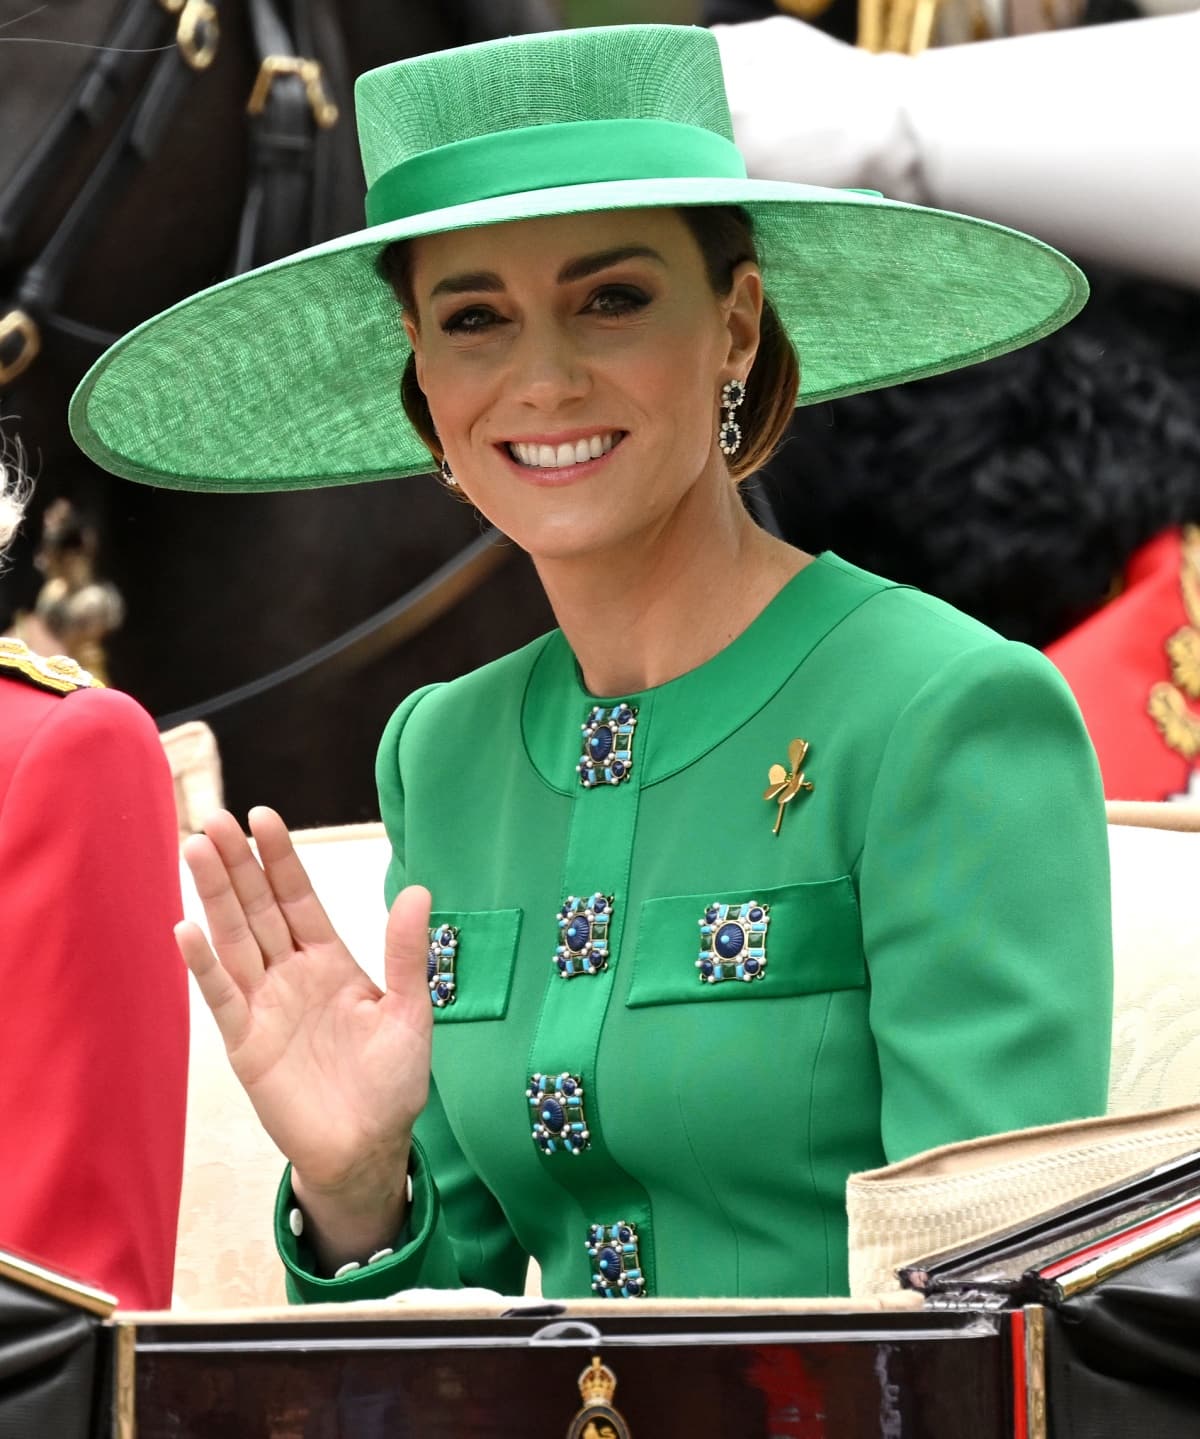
(347, 1268)
(296, 1222)
(380, 1254)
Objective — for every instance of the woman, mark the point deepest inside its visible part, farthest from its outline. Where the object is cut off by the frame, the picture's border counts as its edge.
(668, 1016)
(94, 1021)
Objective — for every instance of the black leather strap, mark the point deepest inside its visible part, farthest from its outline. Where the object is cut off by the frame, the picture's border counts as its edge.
(277, 214)
(141, 25)
(35, 295)
(137, 137)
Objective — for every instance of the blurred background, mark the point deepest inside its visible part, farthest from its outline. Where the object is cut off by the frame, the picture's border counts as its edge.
(153, 147)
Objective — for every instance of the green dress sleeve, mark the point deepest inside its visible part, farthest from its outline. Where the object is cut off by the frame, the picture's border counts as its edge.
(455, 1232)
(985, 903)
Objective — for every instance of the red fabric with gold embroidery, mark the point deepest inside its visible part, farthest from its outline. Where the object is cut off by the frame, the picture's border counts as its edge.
(93, 996)
(1117, 660)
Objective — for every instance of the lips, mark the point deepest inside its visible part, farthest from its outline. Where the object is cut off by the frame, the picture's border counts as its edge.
(536, 456)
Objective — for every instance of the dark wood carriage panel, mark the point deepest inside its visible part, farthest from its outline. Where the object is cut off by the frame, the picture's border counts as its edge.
(829, 1376)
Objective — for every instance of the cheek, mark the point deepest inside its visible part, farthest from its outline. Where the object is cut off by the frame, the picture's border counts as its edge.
(674, 383)
(455, 397)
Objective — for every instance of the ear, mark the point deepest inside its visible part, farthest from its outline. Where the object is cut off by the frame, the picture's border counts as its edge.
(742, 308)
(414, 339)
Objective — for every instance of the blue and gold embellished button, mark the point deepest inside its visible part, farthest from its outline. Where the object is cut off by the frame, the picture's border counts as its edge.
(439, 967)
(607, 745)
(733, 942)
(583, 935)
(616, 1267)
(556, 1105)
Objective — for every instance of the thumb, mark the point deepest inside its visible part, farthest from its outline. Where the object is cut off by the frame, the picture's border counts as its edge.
(406, 940)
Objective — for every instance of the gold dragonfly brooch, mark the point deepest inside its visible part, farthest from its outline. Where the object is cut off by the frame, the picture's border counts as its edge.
(786, 784)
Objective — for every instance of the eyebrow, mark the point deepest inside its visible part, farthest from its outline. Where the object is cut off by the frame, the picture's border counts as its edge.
(489, 282)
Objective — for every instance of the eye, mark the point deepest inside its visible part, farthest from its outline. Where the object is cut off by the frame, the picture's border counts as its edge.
(471, 321)
(617, 300)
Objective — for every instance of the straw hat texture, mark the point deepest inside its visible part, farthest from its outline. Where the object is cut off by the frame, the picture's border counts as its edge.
(288, 377)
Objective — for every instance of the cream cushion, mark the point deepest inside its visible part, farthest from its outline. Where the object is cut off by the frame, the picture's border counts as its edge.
(1156, 947)
(225, 1257)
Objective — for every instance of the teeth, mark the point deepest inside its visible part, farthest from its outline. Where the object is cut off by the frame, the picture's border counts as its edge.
(551, 457)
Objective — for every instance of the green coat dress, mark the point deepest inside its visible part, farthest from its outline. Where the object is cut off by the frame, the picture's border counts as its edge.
(922, 954)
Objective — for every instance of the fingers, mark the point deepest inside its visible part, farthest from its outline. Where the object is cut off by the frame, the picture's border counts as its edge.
(406, 940)
(260, 908)
(221, 994)
(289, 883)
(240, 953)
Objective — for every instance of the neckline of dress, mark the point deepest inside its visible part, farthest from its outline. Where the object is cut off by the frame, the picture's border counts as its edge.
(681, 720)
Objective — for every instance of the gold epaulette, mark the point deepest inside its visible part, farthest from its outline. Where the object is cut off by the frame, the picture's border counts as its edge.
(56, 673)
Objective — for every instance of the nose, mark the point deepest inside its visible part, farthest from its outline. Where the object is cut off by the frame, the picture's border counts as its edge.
(548, 369)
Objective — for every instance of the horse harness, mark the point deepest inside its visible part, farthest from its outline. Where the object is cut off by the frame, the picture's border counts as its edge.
(288, 109)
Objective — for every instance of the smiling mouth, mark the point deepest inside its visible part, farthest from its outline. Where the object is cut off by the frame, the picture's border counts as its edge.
(558, 457)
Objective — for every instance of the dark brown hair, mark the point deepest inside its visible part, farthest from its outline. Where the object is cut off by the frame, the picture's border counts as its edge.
(725, 235)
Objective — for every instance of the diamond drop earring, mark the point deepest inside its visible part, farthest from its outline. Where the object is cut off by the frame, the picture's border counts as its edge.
(729, 436)
(447, 474)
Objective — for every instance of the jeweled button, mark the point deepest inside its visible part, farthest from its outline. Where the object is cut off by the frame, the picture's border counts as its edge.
(577, 934)
(730, 940)
(608, 1262)
(556, 1107)
(600, 744)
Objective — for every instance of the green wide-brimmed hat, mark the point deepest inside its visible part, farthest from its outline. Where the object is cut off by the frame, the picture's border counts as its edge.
(289, 376)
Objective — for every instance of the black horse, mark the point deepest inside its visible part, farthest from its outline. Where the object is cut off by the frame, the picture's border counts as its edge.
(161, 185)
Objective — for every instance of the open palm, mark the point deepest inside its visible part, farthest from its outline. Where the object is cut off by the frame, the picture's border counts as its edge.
(336, 1069)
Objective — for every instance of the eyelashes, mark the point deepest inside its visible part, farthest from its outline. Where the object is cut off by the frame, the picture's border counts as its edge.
(618, 300)
(607, 302)
(470, 321)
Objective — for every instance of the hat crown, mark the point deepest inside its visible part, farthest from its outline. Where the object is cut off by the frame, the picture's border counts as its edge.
(642, 72)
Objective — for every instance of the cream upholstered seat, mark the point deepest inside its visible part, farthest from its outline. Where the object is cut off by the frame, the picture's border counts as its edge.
(226, 1255)
(1155, 851)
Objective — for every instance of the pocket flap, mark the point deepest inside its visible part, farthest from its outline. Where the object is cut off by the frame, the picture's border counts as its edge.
(484, 954)
(813, 945)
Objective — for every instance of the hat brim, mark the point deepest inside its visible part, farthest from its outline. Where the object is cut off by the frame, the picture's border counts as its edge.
(288, 377)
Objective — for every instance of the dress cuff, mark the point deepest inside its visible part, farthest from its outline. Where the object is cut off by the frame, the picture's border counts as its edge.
(375, 1280)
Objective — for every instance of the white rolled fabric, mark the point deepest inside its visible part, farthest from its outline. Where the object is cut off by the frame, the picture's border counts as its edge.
(1087, 138)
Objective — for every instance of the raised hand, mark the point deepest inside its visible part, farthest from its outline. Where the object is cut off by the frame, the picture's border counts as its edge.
(336, 1069)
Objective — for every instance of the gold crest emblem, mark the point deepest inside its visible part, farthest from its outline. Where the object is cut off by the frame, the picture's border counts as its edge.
(598, 1419)
(786, 784)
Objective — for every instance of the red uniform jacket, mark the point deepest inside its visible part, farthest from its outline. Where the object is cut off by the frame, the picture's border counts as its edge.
(93, 995)
(1134, 668)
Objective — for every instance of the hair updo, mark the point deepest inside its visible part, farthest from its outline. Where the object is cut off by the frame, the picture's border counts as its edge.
(725, 235)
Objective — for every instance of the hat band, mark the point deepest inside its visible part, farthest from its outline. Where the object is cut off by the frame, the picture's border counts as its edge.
(543, 157)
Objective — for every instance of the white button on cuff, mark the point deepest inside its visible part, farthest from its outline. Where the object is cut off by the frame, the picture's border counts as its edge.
(347, 1269)
(296, 1223)
(380, 1254)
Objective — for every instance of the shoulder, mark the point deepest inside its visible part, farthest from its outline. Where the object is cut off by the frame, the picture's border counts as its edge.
(53, 694)
(427, 712)
(903, 620)
(74, 719)
(907, 642)
(52, 674)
